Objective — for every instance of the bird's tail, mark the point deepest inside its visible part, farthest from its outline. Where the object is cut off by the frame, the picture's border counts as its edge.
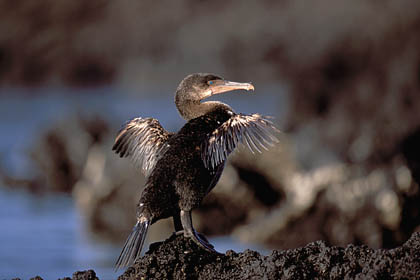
(133, 245)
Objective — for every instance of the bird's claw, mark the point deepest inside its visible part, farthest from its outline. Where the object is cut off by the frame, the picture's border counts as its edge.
(201, 241)
(198, 238)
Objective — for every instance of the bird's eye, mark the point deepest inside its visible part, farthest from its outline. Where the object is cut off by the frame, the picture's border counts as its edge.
(210, 82)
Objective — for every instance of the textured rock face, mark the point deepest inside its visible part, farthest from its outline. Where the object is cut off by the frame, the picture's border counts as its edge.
(178, 258)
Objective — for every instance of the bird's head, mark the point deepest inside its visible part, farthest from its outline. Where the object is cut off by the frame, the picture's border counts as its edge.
(199, 86)
(196, 87)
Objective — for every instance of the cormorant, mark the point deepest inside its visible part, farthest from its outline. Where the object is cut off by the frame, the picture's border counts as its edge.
(182, 168)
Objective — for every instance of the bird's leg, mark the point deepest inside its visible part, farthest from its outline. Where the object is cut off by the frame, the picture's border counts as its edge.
(190, 232)
(177, 224)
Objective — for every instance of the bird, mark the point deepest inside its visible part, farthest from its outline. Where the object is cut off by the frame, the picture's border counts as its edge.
(182, 168)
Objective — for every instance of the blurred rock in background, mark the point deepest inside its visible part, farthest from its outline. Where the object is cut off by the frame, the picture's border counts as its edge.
(347, 169)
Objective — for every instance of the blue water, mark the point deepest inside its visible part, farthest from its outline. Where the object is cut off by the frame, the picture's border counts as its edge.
(44, 235)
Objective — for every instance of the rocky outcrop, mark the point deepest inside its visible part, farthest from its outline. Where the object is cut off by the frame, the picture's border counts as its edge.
(178, 258)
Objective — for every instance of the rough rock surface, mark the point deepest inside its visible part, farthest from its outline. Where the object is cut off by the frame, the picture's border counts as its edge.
(78, 275)
(178, 258)
(83, 275)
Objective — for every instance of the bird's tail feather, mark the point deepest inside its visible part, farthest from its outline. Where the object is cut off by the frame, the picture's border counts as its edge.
(133, 245)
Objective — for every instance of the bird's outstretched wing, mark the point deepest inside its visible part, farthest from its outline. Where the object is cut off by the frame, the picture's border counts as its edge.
(142, 140)
(255, 131)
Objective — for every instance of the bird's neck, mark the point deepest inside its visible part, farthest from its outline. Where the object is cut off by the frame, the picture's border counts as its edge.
(190, 109)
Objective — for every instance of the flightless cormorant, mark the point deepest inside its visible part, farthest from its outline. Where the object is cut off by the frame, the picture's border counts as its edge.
(182, 168)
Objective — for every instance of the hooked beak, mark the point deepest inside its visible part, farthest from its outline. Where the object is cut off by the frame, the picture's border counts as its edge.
(220, 86)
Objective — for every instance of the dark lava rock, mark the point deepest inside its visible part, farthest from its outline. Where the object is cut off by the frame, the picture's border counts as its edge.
(83, 275)
(179, 258)
(78, 275)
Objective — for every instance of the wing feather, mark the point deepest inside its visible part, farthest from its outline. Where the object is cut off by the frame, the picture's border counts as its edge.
(142, 140)
(254, 131)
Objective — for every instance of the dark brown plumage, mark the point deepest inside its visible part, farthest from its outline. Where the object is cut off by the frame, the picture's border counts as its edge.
(182, 168)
